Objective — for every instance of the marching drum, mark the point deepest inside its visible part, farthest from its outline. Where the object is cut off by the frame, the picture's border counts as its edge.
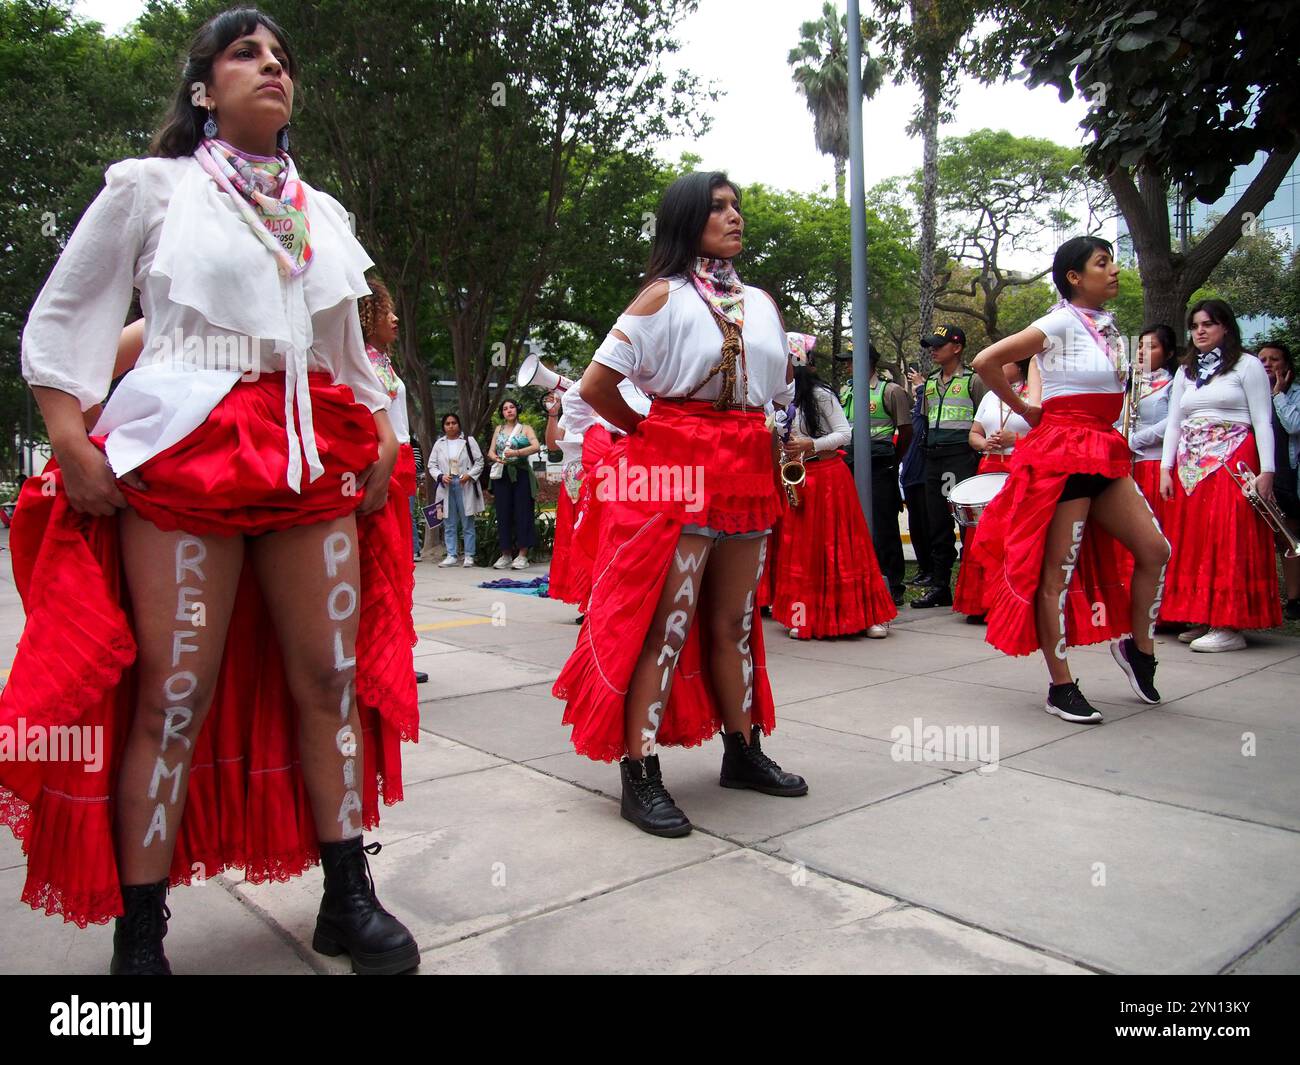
(968, 498)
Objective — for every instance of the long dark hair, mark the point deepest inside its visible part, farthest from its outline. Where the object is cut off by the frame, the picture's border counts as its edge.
(1074, 255)
(1220, 313)
(683, 214)
(182, 127)
(1165, 338)
(806, 384)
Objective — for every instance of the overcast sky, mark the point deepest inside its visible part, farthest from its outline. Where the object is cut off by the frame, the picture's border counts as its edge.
(762, 130)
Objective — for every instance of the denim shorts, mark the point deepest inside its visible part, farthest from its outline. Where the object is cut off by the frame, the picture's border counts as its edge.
(713, 534)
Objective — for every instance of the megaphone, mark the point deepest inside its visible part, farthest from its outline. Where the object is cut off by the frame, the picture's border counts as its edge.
(533, 374)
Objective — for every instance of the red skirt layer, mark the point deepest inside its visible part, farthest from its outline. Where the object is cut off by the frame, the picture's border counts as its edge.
(1076, 435)
(599, 448)
(972, 582)
(1147, 476)
(636, 544)
(1223, 569)
(828, 582)
(247, 804)
(563, 581)
(700, 466)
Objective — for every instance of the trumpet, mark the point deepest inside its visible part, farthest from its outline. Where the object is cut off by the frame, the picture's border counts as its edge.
(1266, 509)
(1132, 397)
(793, 472)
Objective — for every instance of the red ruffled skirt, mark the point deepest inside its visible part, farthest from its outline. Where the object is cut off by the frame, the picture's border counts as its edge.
(828, 582)
(599, 447)
(1223, 569)
(247, 805)
(972, 582)
(1076, 435)
(732, 485)
(562, 577)
(1147, 476)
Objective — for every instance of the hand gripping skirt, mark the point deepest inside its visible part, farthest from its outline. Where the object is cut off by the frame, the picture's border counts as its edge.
(972, 582)
(827, 579)
(1076, 435)
(247, 805)
(1223, 569)
(686, 464)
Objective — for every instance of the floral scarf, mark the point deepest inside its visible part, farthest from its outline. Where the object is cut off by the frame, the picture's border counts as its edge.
(270, 199)
(383, 366)
(1204, 446)
(720, 286)
(1101, 327)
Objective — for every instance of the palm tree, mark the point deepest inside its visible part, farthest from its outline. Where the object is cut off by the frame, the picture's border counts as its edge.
(821, 71)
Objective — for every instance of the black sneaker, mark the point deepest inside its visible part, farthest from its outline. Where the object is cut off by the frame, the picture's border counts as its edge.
(977, 619)
(1140, 668)
(936, 596)
(1068, 703)
(1292, 610)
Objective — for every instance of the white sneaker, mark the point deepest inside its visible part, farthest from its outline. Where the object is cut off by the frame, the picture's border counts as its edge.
(1220, 640)
(794, 634)
(1194, 633)
(877, 632)
(502, 563)
(469, 562)
(519, 563)
(450, 560)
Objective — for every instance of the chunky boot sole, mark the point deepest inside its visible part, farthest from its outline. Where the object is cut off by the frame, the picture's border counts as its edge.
(401, 960)
(667, 833)
(789, 793)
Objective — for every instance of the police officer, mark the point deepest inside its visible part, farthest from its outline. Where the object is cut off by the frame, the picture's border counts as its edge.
(952, 393)
(889, 415)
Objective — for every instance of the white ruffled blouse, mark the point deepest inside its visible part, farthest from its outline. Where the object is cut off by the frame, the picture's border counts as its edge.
(215, 307)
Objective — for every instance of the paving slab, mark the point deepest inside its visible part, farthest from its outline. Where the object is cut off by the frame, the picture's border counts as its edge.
(1280, 956)
(902, 651)
(1023, 856)
(1267, 698)
(738, 913)
(843, 772)
(210, 931)
(1193, 762)
(472, 672)
(1020, 722)
(511, 724)
(481, 850)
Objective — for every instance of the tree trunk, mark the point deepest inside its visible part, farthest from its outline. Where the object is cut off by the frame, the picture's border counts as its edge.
(931, 91)
(840, 166)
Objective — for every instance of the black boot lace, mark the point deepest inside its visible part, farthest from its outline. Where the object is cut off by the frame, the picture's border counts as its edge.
(143, 932)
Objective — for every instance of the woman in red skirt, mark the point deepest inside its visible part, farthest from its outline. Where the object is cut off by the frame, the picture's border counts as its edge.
(1146, 435)
(1222, 577)
(994, 433)
(826, 580)
(212, 580)
(685, 515)
(586, 440)
(1054, 538)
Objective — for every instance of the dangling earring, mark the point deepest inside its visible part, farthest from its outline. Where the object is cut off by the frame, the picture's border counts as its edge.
(282, 141)
(210, 126)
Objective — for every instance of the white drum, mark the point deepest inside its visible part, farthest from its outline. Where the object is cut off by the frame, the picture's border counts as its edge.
(968, 498)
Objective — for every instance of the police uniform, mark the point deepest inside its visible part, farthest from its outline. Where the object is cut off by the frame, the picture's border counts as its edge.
(888, 413)
(949, 459)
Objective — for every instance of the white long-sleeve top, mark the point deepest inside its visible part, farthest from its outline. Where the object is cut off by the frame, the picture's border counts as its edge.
(576, 415)
(215, 306)
(671, 351)
(1147, 432)
(993, 414)
(1241, 396)
(836, 431)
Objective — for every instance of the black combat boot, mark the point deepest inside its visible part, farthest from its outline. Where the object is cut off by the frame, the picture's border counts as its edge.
(138, 933)
(744, 765)
(646, 802)
(351, 919)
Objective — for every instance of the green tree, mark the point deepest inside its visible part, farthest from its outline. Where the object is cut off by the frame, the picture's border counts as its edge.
(73, 103)
(1180, 94)
(998, 194)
